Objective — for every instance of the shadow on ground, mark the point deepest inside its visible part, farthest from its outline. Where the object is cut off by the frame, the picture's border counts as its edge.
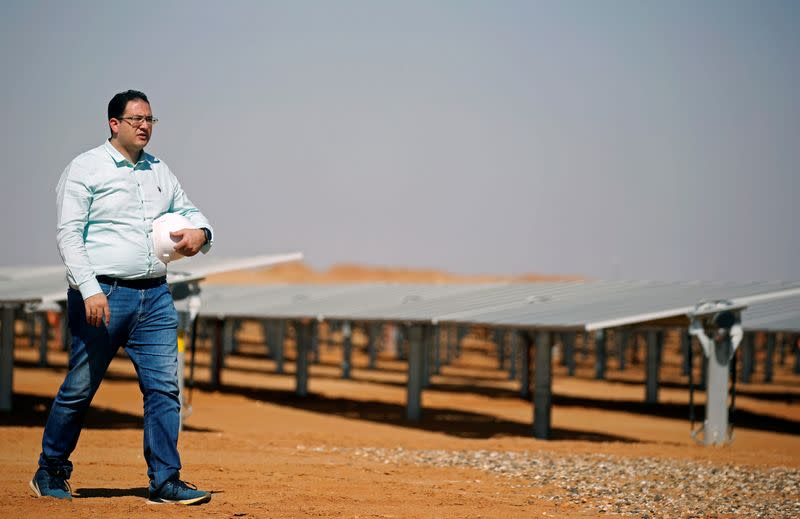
(32, 410)
(452, 422)
(84, 493)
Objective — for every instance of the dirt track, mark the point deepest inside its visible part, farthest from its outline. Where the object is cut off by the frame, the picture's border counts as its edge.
(346, 451)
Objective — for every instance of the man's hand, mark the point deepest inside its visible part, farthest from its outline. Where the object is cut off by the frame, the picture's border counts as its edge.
(191, 240)
(97, 310)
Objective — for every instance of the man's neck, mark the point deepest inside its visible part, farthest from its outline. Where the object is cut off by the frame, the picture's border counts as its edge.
(131, 155)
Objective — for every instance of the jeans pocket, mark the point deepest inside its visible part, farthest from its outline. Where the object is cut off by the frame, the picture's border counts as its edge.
(107, 291)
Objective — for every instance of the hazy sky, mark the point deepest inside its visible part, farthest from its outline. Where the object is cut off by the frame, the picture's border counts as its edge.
(613, 139)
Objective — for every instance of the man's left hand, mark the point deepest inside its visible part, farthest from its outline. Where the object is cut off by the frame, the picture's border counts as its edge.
(191, 241)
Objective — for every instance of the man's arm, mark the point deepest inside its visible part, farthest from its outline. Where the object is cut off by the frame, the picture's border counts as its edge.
(73, 199)
(191, 241)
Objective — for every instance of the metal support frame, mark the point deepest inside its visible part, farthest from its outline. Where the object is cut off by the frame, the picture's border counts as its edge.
(304, 338)
(621, 337)
(347, 349)
(748, 358)
(652, 361)
(374, 335)
(437, 350)
(451, 334)
(217, 353)
(228, 336)
(770, 358)
(526, 342)
(500, 344)
(720, 349)
(416, 360)
(686, 352)
(600, 354)
(6, 356)
(314, 346)
(44, 335)
(569, 351)
(796, 350)
(585, 346)
(513, 358)
(543, 393)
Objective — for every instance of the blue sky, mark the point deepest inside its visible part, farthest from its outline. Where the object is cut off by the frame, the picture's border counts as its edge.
(625, 139)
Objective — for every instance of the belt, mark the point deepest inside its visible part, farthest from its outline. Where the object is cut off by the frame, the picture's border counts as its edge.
(138, 284)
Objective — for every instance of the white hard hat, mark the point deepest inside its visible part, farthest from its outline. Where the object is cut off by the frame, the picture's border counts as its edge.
(163, 243)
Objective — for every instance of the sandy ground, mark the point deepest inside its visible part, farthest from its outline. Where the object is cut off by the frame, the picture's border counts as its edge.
(266, 453)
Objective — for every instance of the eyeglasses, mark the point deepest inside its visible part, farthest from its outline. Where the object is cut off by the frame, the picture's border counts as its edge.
(138, 120)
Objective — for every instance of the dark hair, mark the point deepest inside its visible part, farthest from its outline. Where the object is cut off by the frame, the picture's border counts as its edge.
(118, 103)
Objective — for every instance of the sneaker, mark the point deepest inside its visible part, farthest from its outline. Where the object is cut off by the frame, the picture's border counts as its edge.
(177, 492)
(49, 484)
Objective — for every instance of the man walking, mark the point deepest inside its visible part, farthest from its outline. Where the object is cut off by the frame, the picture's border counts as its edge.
(108, 198)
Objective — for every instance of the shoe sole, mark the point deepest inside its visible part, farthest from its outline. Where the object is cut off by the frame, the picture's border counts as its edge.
(196, 501)
(38, 493)
(35, 489)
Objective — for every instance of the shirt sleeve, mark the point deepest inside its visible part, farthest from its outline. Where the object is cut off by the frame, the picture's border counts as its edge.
(183, 206)
(73, 199)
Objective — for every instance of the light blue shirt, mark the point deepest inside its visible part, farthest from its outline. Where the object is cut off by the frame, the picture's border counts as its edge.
(106, 208)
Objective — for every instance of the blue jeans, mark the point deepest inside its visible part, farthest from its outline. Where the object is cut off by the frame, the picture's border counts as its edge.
(146, 323)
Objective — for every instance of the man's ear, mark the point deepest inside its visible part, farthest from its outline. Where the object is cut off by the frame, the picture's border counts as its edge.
(113, 124)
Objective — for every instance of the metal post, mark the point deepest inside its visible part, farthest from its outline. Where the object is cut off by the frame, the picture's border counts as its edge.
(437, 350)
(585, 346)
(716, 424)
(314, 345)
(347, 350)
(569, 351)
(217, 353)
(782, 349)
(796, 354)
(400, 339)
(278, 349)
(652, 363)
(621, 335)
(427, 350)
(513, 356)
(686, 351)
(769, 359)
(374, 333)
(525, 365)
(748, 354)
(43, 337)
(31, 324)
(500, 344)
(449, 345)
(542, 397)
(600, 354)
(228, 331)
(303, 340)
(6, 357)
(415, 373)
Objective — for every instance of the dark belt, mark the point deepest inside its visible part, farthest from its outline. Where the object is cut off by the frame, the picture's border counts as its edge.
(138, 284)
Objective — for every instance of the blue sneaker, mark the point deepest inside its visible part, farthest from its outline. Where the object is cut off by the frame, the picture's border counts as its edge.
(48, 484)
(177, 492)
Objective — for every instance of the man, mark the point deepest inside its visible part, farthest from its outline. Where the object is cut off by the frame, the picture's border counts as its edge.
(107, 199)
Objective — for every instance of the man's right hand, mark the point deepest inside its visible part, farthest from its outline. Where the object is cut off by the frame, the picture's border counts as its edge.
(97, 311)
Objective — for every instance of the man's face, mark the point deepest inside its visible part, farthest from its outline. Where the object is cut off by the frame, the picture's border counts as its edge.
(131, 134)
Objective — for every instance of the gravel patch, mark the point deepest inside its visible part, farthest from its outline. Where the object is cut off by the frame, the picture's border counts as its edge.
(641, 487)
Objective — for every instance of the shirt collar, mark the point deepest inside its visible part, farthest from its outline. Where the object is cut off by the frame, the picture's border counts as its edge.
(146, 160)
